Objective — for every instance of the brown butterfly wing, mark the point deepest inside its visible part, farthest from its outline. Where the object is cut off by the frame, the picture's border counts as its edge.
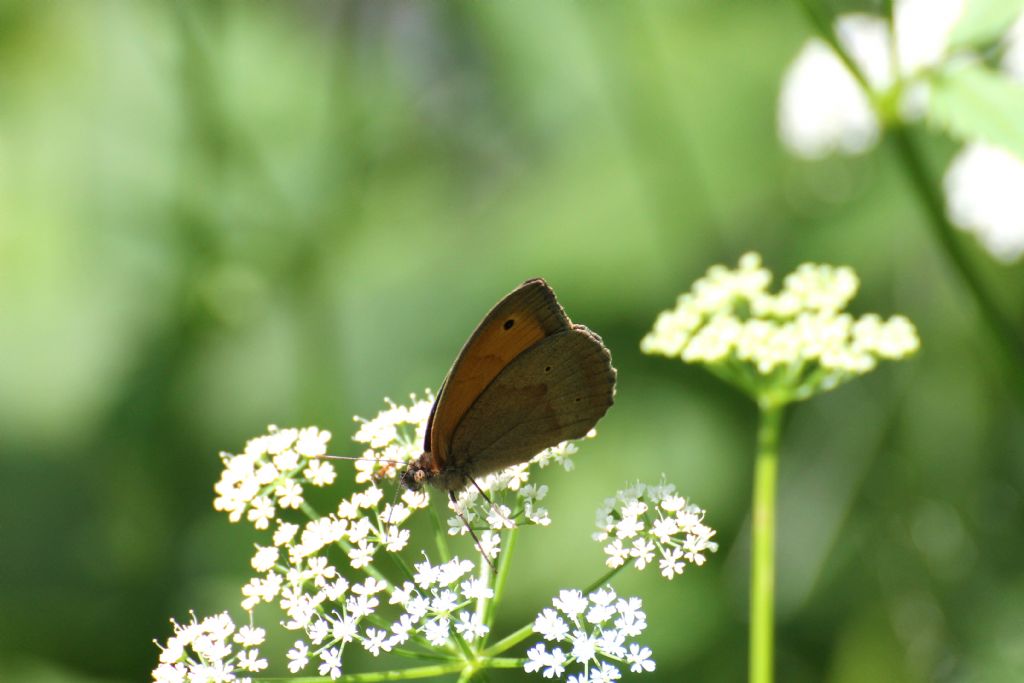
(516, 323)
(556, 390)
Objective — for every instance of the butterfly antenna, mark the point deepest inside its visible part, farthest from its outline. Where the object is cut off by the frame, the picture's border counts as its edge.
(353, 458)
(479, 545)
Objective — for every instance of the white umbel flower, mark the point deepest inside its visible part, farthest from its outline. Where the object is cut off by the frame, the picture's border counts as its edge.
(594, 630)
(647, 519)
(792, 344)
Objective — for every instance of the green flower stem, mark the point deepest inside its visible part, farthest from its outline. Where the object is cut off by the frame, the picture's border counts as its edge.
(420, 654)
(1001, 328)
(526, 631)
(504, 564)
(509, 641)
(412, 672)
(504, 662)
(467, 652)
(371, 676)
(762, 573)
(603, 580)
(402, 565)
(440, 534)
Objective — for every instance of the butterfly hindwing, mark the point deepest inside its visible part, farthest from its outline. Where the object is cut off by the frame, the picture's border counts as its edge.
(556, 390)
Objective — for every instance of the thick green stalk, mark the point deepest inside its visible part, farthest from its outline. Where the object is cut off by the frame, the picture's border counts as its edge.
(1002, 330)
(762, 571)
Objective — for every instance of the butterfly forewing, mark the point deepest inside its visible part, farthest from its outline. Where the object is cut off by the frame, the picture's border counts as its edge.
(556, 390)
(517, 323)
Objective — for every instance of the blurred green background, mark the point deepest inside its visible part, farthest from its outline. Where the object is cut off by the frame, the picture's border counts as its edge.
(220, 215)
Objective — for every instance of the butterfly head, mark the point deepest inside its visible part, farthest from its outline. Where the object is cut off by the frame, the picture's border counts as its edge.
(414, 477)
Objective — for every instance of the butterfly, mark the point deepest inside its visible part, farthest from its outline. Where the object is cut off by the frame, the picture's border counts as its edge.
(527, 379)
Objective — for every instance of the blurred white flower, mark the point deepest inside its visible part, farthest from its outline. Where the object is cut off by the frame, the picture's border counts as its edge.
(789, 345)
(985, 196)
(1013, 56)
(298, 656)
(823, 109)
(550, 664)
(923, 29)
(330, 663)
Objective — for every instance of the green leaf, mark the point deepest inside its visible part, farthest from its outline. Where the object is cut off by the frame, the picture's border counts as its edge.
(972, 102)
(984, 21)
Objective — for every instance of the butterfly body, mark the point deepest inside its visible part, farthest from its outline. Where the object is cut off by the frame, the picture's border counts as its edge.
(526, 380)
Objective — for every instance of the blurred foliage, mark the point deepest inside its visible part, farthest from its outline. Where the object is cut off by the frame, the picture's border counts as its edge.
(219, 215)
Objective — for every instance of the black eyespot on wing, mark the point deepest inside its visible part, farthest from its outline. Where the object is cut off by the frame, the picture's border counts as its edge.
(509, 323)
(547, 368)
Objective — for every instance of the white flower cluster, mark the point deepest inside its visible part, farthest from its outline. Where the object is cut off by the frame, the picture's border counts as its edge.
(824, 110)
(299, 571)
(649, 519)
(797, 337)
(438, 598)
(213, 649)
(595, 629)
(270, 474)
(440, 606)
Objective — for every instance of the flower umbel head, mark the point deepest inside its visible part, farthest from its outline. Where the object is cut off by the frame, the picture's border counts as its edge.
(779, 347)
(595, 636)
(649, 521)
(306, 566)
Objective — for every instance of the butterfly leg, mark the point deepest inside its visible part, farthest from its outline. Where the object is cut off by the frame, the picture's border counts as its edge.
(494, 508)
(394, 502)
(479, 546)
